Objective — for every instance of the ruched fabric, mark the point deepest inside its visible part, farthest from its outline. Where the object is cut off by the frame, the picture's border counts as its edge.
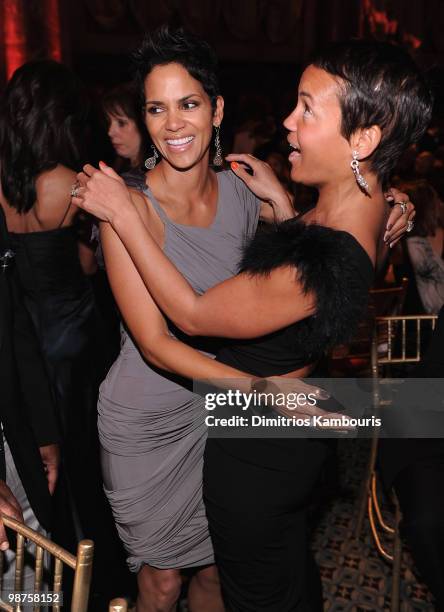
(151, 425)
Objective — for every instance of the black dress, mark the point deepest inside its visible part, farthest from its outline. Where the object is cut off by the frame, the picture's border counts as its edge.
(256, 491)
(59, 299)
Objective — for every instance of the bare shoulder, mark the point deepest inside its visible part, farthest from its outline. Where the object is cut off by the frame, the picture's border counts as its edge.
(148, 214)
(53, 189)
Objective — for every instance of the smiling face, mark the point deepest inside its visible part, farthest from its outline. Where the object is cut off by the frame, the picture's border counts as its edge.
(320, 153)
(179, 115)
(124, 136)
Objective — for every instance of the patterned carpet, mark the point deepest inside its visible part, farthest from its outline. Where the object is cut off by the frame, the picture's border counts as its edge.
(355, 578)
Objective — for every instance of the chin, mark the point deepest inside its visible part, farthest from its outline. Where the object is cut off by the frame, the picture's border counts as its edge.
(185, 162)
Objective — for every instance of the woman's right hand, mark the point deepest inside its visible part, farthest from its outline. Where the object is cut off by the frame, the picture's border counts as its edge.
(263, 182)
(103, 193)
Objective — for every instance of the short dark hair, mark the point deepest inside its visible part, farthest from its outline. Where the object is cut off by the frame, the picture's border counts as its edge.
(380, 85)
(43, 120)
(167, 46)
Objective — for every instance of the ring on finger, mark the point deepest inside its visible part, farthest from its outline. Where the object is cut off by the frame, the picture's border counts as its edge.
(410, 225)
(75, 190)
(403, 206)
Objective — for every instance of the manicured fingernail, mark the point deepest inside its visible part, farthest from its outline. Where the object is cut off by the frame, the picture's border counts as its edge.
(389, 226)
(234, 165)
(391, 244)
(102, 163)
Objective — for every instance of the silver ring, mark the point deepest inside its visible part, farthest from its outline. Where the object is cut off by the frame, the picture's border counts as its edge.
(403, 206)
(410, 225)
(75, 190)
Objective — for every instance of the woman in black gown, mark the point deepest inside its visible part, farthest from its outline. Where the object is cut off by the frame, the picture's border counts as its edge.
(43, 129)
(302, 288)
(43, 124)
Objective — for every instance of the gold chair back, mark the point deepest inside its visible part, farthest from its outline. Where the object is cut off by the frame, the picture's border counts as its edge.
(399, 339)
(396, 340)
(81, 564)
(355, 357)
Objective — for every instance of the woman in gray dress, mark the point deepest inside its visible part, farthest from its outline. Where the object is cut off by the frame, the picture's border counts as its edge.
(151, 432)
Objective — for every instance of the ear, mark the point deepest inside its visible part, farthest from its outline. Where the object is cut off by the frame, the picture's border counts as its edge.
(219, 111)
(365, 141)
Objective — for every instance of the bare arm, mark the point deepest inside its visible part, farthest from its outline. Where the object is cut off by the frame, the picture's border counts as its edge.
(151, 334)
(242, 307)
(146, 323)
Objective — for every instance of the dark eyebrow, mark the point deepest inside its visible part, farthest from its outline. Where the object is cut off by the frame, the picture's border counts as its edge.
(192, 95)
(305, 94)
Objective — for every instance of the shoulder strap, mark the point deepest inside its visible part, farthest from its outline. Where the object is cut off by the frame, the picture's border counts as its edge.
(157, 207)
(64, 215)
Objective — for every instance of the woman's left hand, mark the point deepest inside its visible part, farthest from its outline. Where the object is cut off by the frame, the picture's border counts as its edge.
(102, 193)
(401, 217)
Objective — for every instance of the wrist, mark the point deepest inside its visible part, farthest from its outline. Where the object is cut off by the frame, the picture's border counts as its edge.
(282, 206)
(123, 217)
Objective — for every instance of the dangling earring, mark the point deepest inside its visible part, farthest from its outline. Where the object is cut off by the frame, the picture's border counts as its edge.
(358, 176)
(150, 162)
(217, 161)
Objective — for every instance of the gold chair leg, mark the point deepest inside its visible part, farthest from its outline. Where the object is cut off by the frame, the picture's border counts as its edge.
(365, 490)
(397, 559)
(82, 580)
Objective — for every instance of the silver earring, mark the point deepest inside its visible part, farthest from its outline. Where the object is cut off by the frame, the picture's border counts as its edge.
(356, 171)
(150, 162)
(217, 161)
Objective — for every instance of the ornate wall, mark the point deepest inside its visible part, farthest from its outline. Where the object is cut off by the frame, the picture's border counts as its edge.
(89, 31)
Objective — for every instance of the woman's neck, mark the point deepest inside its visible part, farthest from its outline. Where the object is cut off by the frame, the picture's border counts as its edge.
(339, 201)
(191, 185)
(345, 207)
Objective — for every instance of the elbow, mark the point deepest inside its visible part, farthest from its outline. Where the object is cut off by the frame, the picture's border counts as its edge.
(189, 325)
(189, 329)
(151, 356)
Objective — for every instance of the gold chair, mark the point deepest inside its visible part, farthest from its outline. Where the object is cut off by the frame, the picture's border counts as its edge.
(355, 357)
(81, 564)
(395, 340)
(118, 605)
(388, 301)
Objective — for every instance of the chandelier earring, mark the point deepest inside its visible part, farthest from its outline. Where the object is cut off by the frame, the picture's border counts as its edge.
(217, 160)
(150, 162)
(357, 172)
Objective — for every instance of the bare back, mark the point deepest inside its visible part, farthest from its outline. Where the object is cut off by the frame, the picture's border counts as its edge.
(52, 208)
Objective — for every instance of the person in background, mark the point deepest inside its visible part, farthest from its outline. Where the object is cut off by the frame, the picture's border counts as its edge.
(425, 244)
(29, 451)
(44, 120)
(127, 133)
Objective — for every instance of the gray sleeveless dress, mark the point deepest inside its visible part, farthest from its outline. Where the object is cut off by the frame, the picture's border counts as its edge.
(151, 426)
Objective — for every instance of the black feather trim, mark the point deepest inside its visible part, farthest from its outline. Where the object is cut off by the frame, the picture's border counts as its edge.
(329, 263)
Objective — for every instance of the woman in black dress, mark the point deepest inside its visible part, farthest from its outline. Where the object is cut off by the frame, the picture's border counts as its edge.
(43, 137)
(302, 289)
